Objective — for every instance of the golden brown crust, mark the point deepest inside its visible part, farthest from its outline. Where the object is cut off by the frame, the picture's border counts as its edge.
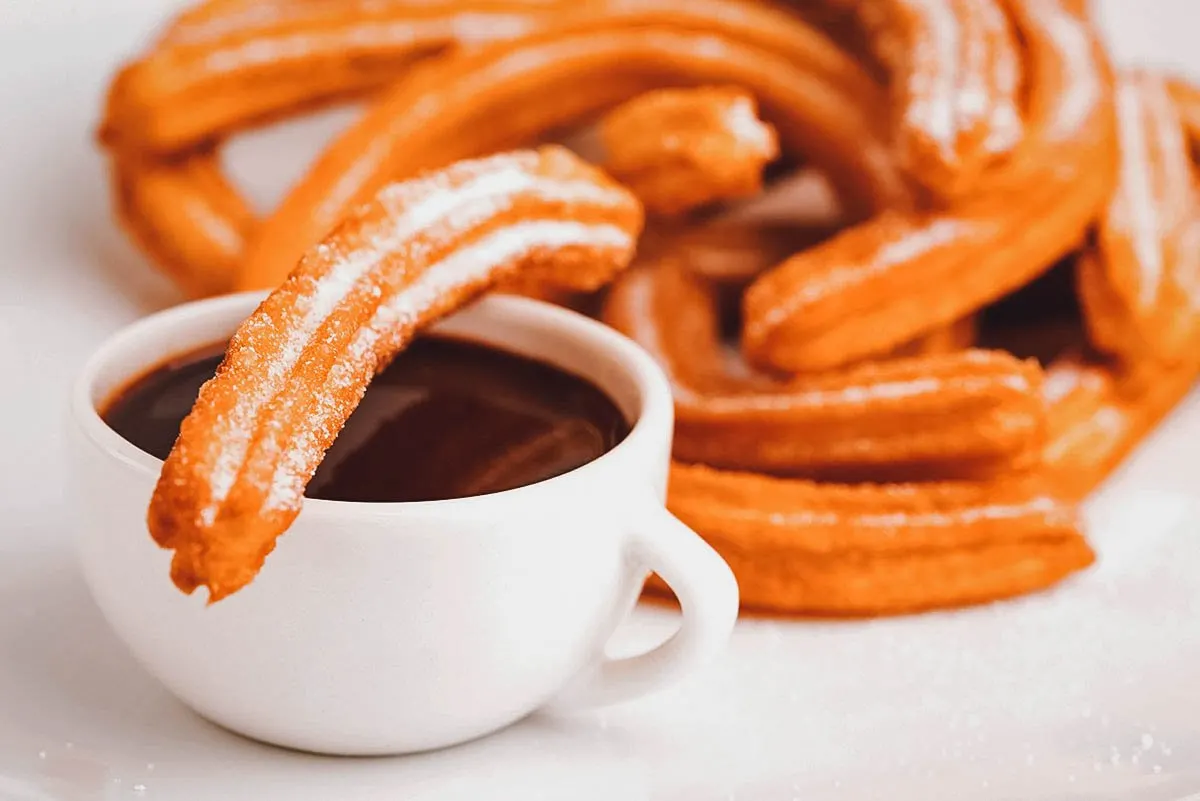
(897, 276)
(819, 100)
(1140, 284)
(682, 149)
(956, 68)
(954, 414)
(735, 252)
(221, 69)
(950, 338)
(981, 148)
(797, 546)
(1186, 97)
(185, 216)
(1099, 413)
(298, 366)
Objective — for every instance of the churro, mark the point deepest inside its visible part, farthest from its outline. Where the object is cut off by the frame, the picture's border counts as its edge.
(297, 367)
(961, 413)
(682, 149)
(1140, 286)
(799, 546)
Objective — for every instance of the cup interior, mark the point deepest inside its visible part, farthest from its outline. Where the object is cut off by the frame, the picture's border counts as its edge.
(541, 331)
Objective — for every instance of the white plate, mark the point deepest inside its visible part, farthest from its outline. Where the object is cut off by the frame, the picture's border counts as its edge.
(1089, 691)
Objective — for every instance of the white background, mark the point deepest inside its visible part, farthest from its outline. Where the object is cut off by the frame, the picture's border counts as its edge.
(1091, 691)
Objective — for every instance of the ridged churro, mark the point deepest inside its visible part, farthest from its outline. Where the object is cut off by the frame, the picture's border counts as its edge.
(953, 414)
(1140, 286)
(297, 367)
(956, 70)
(799, 546)
(185, 216)
(217, 73)
(819, 100)
(682, 149)
(1099, 412)
(899, 275)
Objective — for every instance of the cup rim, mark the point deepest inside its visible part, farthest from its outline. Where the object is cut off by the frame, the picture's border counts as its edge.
(656, 405)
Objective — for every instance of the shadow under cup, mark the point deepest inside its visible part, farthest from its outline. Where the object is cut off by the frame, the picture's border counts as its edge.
(396, 627)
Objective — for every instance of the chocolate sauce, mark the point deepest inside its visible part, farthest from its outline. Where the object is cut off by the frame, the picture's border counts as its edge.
(447, 419)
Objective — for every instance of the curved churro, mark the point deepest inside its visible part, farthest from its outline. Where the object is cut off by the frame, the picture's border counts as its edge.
(821, 103)
(889, 280)
(956, 75)
(298, 366)
(969, 145)
(1140, 288)
(1098, 414)
(186, 217)
(225, 66)
(958, 414)
(797, 546)
(221, 70)
(681, 149)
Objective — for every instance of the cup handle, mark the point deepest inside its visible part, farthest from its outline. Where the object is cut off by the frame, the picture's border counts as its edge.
(708, 597)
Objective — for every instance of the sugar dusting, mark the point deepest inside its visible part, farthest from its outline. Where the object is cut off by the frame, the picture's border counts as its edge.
(1037, 507)
(414, 206)
(1107, 422)
(466, 269)
(480, 28)
(450, 202)
(379, 34)
(1187, 270)
(1081, 86)
(933, 86)
(741, 121)
(639, 298)
(1134, 207)
(942, 231)
(913, 244)
(1172, 185)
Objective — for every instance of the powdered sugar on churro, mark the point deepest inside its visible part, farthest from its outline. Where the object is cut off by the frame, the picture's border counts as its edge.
(297, 368)
(901, 521)
(933, 86)
(1134, 207)
(1004, 71)
(431, 204)
(742, 121)
(361, 35)
(1081, 86)
(917, 242)
(468, 268)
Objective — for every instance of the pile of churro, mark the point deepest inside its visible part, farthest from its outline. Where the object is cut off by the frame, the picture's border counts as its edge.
(895, 410)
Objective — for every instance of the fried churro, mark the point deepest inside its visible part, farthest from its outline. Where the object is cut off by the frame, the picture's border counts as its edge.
(297, 367)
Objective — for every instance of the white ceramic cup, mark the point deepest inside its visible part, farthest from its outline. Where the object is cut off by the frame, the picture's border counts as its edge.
(381, 628)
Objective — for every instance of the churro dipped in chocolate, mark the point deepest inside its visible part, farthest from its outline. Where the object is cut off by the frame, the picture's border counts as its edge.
(297, 367)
